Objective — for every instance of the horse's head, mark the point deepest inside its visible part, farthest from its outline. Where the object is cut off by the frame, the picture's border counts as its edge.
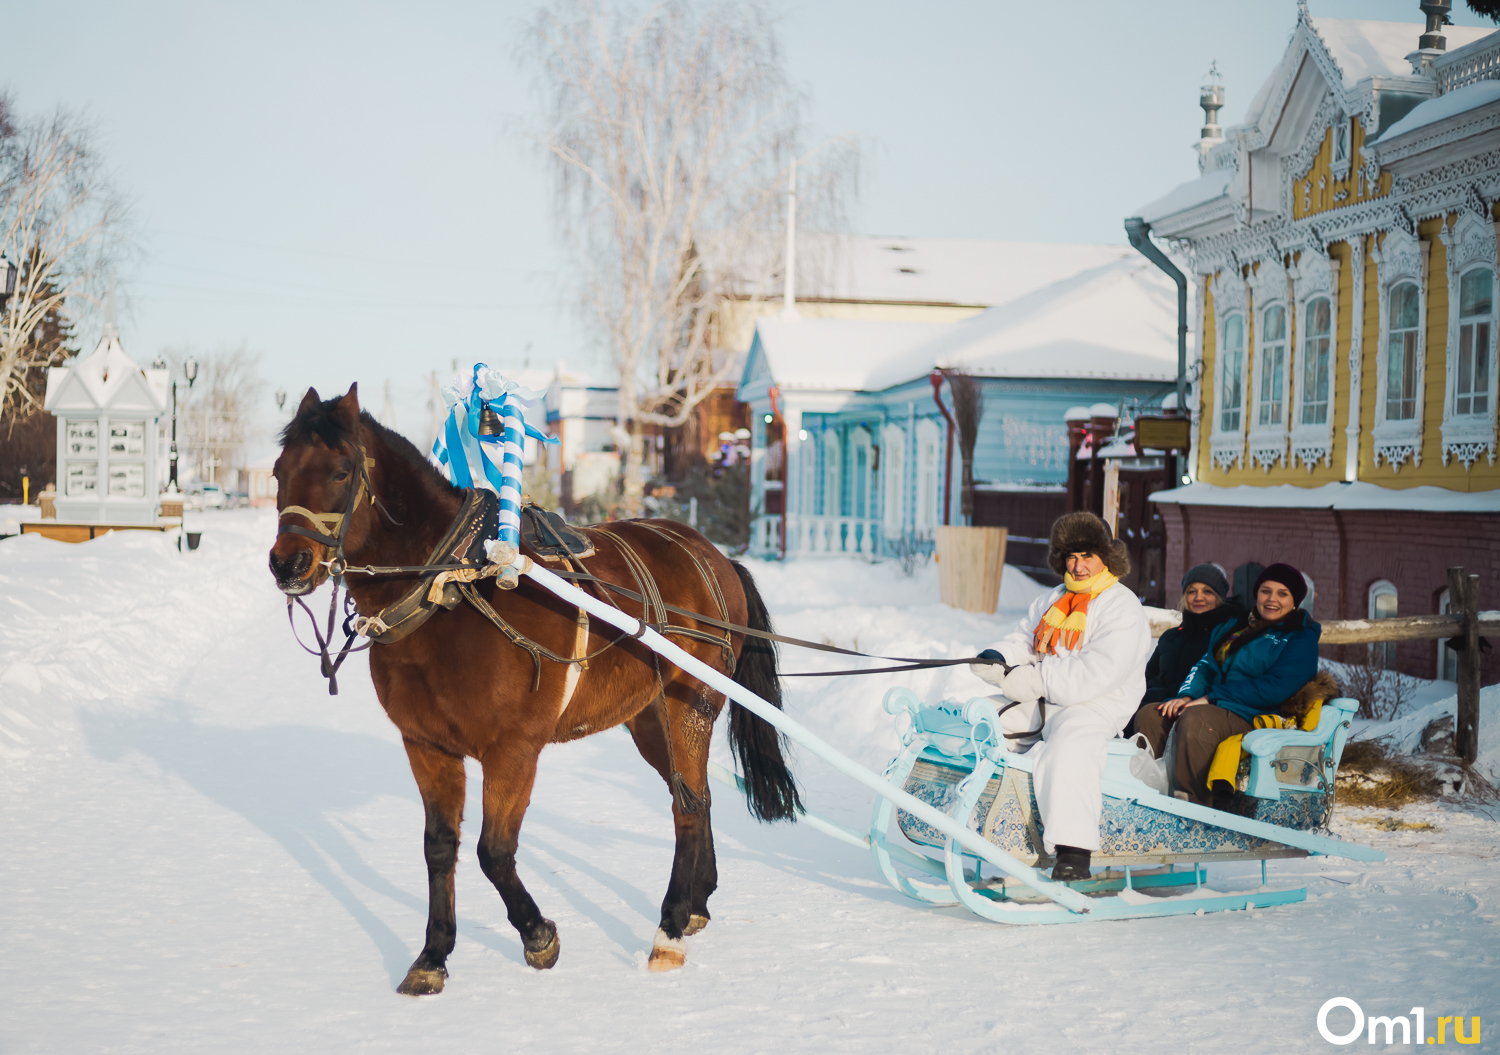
(321, 480)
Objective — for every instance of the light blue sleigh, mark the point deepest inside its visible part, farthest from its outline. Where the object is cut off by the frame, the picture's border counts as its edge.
(953, 758)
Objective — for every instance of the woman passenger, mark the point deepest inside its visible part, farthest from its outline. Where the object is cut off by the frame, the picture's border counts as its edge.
(1253, 665)
(1204, 607)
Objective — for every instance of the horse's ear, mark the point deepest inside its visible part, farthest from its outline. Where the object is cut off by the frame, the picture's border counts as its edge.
(347, 411)
(309, 400)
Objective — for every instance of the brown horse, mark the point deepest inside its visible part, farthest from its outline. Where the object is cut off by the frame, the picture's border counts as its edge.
(458, 687)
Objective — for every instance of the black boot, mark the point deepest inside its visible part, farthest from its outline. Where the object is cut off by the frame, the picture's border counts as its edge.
(1072, 864)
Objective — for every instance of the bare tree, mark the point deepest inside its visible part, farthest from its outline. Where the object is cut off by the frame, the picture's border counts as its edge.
(61, 225)
(217, 417)
(670, 133)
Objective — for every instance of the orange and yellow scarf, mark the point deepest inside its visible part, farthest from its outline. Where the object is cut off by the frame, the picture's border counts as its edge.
(1062, 625)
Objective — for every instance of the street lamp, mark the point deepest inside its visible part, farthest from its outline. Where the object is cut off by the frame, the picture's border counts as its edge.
(190, 370)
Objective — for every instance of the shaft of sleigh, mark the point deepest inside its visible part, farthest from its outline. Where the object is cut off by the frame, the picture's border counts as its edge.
(800, 734)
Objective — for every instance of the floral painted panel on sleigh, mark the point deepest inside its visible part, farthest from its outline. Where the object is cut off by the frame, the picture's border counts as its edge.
(1007, 815)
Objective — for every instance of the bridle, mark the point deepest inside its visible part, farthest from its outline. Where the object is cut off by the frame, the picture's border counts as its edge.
(335, 530)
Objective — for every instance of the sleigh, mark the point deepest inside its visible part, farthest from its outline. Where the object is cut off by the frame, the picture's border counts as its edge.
(1153, 847)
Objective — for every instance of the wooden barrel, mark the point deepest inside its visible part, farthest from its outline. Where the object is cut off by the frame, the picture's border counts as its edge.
(970, 562)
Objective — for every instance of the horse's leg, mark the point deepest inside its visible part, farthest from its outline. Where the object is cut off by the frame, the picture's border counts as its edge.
(508, 775)
(687, 712)
(649, 733)
(440, 778)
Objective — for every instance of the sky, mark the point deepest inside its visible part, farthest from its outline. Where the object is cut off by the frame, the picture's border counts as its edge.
(344, 189)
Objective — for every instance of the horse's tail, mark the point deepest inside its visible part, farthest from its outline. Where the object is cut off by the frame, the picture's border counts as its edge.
(769, 787)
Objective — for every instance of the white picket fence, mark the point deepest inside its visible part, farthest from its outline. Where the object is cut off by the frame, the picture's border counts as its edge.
(816, 536)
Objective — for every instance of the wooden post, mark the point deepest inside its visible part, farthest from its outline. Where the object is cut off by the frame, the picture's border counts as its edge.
(1463, 600)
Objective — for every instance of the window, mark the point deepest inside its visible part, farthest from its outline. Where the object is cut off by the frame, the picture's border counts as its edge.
(859, 463)
(893, 466)
(1383, 606)
(927, 475)
(1315, 362)
(1476, 297)
(1231, 387)
(1272, 365)
(1341, 142)
(1401, 354)
(833, 476)
(1447, 659)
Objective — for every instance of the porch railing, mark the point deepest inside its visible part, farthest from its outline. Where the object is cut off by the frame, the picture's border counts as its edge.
(816, 536)
(1457, 71)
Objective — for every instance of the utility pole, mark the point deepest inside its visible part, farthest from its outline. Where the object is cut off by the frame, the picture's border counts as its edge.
(1463, 601)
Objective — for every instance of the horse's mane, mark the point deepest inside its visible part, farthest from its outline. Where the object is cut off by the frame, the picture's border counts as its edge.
(320, 422)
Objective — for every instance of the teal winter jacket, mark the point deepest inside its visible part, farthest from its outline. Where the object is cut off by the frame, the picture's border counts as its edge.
(1263, 669)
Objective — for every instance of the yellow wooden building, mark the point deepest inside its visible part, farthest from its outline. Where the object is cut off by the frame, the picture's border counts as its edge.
(1343, 243)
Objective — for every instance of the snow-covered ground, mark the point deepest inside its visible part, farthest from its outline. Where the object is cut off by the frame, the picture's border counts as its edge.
(200, 850)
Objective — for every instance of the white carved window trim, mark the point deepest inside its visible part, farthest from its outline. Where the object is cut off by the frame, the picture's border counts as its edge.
(1269, 286)
(893, 486)
(1401, 257)
(1314, 275)
(1227, 448)
(862, 479)
(1471, 244)
(1341, 152)
(928, 484)
(833, 476)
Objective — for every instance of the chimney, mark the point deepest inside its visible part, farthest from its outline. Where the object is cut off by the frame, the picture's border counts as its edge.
(1437, 17)
(1211, 98)
(1431, 44)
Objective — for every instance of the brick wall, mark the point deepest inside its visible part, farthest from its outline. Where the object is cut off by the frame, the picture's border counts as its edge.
(1345, 553)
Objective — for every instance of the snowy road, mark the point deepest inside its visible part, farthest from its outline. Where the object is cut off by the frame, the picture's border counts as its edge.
(201, 851)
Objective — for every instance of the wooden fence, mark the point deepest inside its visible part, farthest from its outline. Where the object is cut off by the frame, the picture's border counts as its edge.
(1466, 623)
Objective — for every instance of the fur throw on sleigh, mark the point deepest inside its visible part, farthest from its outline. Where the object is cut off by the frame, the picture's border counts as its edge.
(1086, 533)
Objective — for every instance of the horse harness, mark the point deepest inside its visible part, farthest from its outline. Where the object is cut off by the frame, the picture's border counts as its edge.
(458, 561)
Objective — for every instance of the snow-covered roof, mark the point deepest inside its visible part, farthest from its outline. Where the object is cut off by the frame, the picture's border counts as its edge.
(1193, 193)
(1458, 101)
(839, 354)
(106, 377)
(1115, 320)
(1378, 49)
(1358, 495)
(884, 269)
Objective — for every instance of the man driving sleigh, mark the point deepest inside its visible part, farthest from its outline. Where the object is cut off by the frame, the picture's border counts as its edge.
(1077, 673)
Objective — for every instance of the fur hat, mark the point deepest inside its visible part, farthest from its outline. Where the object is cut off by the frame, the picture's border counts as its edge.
(1086, 533)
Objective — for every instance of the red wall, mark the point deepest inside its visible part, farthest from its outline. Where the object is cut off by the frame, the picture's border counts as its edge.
(1345, 553)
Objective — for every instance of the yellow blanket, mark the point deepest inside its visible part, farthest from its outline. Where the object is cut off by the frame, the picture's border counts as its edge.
(1226, 763)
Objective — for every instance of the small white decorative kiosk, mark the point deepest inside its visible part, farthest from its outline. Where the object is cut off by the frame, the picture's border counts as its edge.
(108, 412)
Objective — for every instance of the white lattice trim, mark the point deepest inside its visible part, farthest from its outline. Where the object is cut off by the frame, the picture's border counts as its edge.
(1266, 453)
(1310, 454)
(1395, 452)
(1228, 452)
(1469, 452)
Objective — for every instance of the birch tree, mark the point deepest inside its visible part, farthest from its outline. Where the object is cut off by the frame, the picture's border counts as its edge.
(60, 225)
(669, 132)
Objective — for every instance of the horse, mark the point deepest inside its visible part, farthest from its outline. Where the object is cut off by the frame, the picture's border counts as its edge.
(457, 687)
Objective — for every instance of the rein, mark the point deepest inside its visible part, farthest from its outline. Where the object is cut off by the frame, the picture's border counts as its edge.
(338, 522)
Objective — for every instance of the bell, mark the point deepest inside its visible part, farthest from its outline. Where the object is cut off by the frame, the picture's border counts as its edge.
(489, 423)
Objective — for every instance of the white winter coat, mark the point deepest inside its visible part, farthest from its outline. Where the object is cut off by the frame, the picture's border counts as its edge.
(1107, 670)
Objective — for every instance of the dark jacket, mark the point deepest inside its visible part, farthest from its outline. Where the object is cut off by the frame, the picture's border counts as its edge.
(1179, 648)
(1264, 668)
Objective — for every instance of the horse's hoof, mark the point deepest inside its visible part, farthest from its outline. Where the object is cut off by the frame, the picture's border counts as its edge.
(422, 981)
(543, 954)
(695, 924)
(667, 954)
